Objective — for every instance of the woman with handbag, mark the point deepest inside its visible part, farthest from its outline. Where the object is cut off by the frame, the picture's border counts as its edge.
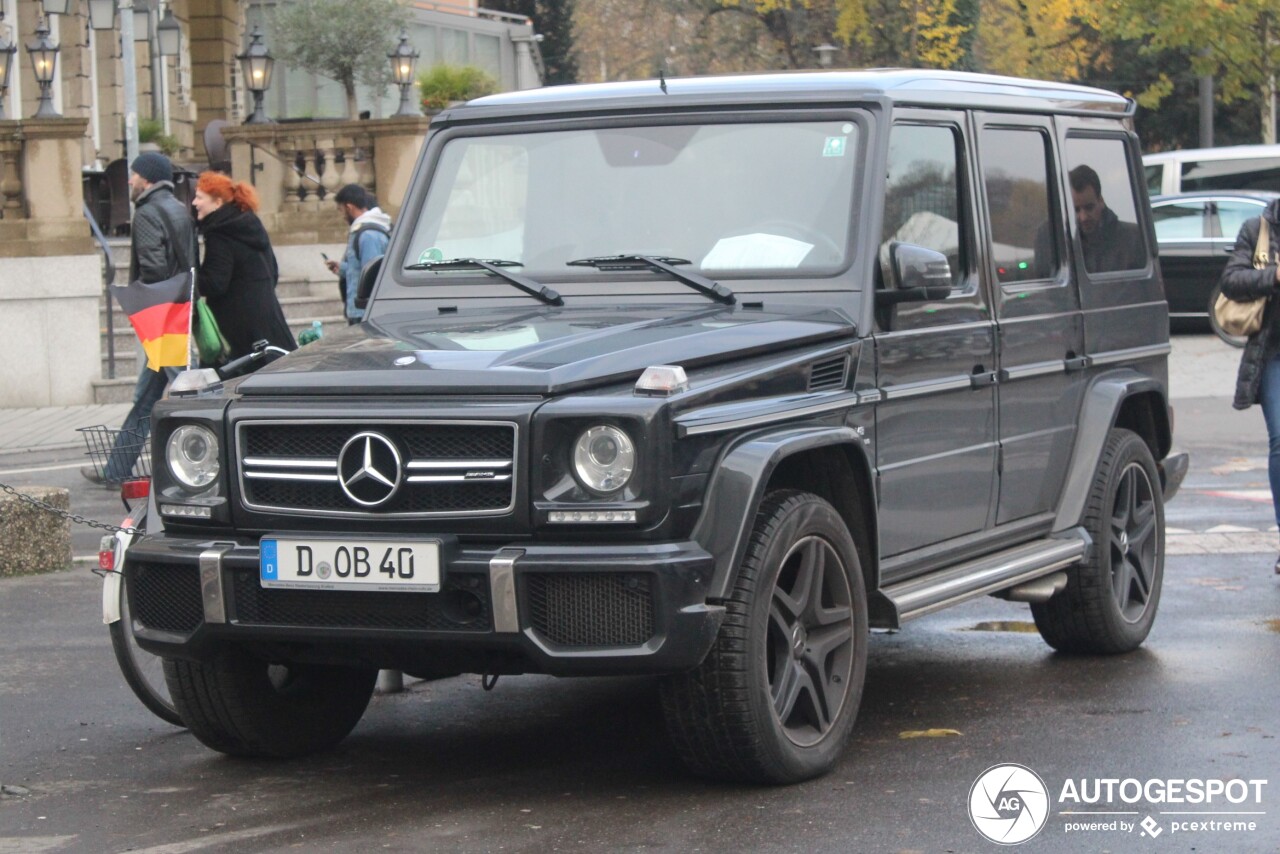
(238, 273)
(1252, 276)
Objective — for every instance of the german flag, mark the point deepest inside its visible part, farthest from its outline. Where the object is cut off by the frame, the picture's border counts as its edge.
(161, 315)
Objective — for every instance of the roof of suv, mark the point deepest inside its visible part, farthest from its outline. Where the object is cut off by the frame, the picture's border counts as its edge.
(900, 85)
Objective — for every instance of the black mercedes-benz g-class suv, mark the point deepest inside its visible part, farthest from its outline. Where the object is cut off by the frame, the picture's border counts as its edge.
(704, 378)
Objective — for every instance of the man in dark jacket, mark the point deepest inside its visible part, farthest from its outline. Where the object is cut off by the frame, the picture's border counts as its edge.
(163, 244)
(1108, 243)
(1258, 380)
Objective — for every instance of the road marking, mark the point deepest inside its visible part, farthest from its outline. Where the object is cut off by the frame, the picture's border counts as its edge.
(1261, 496)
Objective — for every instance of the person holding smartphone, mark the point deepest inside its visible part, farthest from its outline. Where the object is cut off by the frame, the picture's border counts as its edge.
(367, 238)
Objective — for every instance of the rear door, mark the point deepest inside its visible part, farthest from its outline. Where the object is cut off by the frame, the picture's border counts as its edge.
(1041, 336)
(1190, 255)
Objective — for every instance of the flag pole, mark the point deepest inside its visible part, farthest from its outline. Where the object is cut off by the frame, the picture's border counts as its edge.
(191, 317)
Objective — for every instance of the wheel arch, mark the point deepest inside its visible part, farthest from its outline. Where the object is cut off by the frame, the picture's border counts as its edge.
(824, 460)
(1126, 399)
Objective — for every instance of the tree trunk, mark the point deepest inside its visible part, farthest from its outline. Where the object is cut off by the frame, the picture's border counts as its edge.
(353, 108)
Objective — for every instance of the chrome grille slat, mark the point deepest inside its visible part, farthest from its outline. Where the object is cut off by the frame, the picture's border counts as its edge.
(450, 468)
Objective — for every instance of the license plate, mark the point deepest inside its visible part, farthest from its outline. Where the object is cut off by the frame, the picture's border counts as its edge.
(350, 564)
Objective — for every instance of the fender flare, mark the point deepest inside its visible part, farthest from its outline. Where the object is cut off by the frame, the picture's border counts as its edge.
(1102, 402)
(737, 488)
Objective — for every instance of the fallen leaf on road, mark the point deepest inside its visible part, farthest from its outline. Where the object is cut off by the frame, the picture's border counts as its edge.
(928, 733)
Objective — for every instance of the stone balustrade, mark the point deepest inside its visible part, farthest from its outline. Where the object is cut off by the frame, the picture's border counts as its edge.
(40, 194)
(297, 167)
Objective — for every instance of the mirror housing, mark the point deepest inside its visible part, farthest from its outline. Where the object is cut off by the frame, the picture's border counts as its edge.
(918, 275)
(368, 276)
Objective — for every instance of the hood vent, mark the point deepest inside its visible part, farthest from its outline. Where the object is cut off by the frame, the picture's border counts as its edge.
(829, 374)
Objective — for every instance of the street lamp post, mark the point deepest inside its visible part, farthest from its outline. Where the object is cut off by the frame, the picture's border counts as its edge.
(102, 16)
(404, 59)
(44, 61)
(256, 64)
(7, 50)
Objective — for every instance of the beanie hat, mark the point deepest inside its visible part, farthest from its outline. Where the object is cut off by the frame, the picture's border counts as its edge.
(153, 167)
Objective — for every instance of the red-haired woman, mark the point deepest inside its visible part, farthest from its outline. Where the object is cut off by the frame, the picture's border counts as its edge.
(238, 274)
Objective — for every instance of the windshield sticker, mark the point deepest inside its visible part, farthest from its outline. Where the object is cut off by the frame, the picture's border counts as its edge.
(834, 146)
(431, 254)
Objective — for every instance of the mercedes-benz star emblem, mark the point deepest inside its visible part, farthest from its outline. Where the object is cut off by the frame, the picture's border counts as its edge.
(369, 469)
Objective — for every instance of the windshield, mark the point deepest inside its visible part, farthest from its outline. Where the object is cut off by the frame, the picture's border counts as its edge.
(732, 199)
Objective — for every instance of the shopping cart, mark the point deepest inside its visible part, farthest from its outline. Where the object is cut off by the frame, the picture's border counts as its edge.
(101, 442)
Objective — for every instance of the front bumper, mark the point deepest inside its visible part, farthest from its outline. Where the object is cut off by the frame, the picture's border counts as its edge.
(565, 610)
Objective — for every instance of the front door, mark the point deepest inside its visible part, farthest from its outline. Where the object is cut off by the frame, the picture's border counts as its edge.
(935, 424)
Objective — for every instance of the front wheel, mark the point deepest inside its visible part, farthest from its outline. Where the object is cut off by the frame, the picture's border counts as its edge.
(245, 706)
(776, 697)
(1111, 597)
(1233, 340)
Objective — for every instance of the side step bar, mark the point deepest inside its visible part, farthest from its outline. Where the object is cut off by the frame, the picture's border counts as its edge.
(925, 594)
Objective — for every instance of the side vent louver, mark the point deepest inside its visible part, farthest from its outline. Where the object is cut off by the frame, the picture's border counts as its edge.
(829, 374)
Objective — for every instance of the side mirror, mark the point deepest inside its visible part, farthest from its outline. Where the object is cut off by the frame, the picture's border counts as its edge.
(918, 275)
(368, 276)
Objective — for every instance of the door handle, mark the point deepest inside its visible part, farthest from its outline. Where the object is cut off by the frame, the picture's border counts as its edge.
(1076, 363)
(982, 379)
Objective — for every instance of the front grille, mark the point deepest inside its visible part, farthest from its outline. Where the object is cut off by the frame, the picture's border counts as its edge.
(166, 597)
(461, 606)
(448, 468)
(590, 608)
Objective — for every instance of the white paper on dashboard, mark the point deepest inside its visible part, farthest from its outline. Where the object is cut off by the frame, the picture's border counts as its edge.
(756, 251)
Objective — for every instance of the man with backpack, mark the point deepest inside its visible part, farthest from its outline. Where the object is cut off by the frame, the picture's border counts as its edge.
(370, 231)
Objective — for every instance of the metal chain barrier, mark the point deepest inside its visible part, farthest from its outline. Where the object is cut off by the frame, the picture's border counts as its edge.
(74, 517)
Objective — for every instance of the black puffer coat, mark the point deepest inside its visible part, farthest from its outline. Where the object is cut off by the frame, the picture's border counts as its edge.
(238, 277)
(1241, 282)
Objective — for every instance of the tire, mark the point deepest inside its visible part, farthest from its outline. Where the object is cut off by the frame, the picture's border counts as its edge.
(1233, 340)
(1111, 597)
(143, 672)
(243, 706)
(722, 716)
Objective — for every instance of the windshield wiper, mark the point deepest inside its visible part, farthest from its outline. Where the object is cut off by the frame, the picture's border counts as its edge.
(660, 264)
(494, 267)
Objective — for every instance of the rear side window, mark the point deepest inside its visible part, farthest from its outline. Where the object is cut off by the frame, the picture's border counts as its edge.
(1015, 171)
(1253, 173)
(1232, 215)
(1155, 178)
(1105, 222)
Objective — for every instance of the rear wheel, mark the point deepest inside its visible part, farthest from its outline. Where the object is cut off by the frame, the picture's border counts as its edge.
(245, 706)
(1111, 598)
(776, 697)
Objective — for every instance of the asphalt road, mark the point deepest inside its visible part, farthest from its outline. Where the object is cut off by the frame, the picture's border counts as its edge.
(540, 764)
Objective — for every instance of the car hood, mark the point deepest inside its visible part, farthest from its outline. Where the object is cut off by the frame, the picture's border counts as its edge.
(543, 351)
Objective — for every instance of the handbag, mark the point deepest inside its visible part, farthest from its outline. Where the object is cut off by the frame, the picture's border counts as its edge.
(210, 343)
(1245, 318)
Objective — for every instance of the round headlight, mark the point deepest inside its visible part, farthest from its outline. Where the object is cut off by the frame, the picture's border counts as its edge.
(604, 458)
(193, 456)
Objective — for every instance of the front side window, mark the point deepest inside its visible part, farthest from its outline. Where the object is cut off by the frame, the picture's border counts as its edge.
(922, 196)
(736, 199)
(1105, 225)
(1181, 221)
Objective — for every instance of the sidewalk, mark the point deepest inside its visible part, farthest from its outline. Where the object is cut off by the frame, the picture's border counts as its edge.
(53, 428)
